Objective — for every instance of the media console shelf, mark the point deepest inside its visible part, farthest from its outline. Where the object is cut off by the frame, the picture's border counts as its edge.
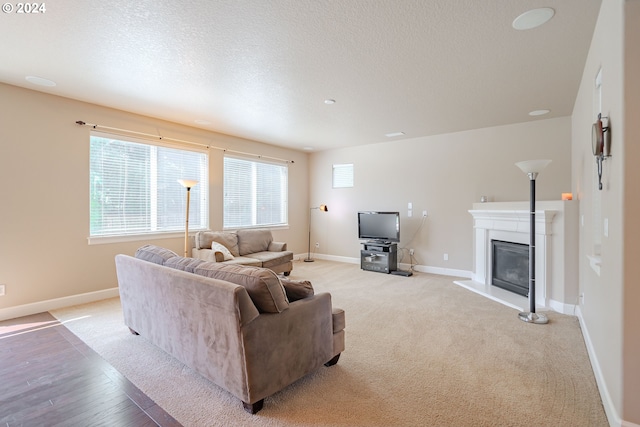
(380, 257)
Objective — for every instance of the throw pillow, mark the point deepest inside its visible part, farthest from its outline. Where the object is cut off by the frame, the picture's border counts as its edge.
(219, 247)
(297, 289)
(262, 284)
(155, 254)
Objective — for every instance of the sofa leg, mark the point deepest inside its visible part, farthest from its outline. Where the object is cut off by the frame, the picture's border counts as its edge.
(133, 332)
(333, 361)
(253, 408)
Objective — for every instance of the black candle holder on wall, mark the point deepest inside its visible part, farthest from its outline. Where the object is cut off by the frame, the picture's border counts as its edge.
(600, 144)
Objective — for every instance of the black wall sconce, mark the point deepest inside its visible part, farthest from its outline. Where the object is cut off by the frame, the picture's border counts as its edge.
(600, 144)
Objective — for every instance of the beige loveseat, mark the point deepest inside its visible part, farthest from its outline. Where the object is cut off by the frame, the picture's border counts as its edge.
(253, 247)
(244, 328)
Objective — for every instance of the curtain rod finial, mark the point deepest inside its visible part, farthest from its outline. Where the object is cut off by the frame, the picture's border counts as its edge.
(81, 123)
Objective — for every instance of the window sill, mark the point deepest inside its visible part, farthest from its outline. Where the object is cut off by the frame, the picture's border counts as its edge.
(594, 262)
(266, 227)
(104, 240)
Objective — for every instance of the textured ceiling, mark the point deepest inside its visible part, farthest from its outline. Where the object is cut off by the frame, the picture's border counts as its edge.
(261, 69)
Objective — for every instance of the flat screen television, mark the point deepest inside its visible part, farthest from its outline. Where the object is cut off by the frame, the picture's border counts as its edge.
(379, 226)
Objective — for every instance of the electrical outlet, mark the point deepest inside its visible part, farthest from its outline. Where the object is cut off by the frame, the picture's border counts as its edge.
(411, 252)
(317, 245)
(582, 298)
(446, 257)
(424, 213)
(2, 290)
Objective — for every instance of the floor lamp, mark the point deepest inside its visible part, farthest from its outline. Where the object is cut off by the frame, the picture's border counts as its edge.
(532, 168)
(323, 208)
(187, 183)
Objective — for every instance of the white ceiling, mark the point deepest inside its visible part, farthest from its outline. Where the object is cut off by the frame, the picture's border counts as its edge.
(261, 69)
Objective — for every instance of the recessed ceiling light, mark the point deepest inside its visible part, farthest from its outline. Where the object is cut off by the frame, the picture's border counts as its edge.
(533, 18)
(329, 101)
(539, 112)
(40, 81)
(392, 134)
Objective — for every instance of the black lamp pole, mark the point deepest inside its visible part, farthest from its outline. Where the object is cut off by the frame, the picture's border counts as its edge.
(531, 168)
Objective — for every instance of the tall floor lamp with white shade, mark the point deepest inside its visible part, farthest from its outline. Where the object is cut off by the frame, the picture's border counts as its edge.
(322, 208)
(532, 168)
(187, 183)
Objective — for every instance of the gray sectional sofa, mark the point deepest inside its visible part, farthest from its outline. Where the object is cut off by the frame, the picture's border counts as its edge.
(253, 247)
(244, 328)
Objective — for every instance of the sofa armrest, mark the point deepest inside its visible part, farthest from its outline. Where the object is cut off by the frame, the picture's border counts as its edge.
(281, 348)
(277, 246)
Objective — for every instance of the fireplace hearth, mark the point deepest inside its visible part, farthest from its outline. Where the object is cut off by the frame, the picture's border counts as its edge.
(510, 266)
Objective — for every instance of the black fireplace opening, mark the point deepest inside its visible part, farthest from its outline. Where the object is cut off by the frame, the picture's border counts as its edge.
(510, 266)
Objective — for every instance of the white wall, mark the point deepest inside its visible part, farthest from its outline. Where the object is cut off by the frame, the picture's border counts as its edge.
(608, 312)
(44, 194)
(442, 174)
(631, 212)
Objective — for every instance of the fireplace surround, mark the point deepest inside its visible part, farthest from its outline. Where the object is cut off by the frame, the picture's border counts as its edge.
(556, 243)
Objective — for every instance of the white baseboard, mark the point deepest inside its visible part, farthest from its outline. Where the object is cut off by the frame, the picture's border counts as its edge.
(52, 304)
(609, 407)
(441, 271)
(563, 308)
(422, 268)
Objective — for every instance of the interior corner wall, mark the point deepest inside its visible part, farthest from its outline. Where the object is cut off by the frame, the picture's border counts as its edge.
(444, 175)
(44, 192)
(608, 310)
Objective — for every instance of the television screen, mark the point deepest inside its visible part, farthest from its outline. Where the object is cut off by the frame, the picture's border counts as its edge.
(379, 226)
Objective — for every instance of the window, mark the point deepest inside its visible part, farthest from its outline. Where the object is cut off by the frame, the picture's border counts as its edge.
(343, 176)
(134, 187)
(255, 193)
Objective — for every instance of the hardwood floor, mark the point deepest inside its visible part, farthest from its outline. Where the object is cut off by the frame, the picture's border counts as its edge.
(49, 377)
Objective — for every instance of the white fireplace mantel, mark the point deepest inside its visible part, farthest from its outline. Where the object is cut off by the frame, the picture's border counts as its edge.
(512, 226)
(510, 222)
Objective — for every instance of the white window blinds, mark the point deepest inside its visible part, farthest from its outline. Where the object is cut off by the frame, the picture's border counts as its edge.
(134, 187)
(255, 193)
(343, 175)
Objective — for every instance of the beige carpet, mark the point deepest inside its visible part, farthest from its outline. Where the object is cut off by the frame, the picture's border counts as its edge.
(420, 351)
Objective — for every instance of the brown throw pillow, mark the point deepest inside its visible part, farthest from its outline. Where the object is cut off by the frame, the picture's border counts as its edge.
(297, 289)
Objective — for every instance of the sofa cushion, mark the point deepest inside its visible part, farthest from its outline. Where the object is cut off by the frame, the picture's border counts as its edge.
(296, 289)
(155, 254)
(182, 263)
(244, 260)
(270, 259)
(262, 285)
(219, 247)
(253, 240)
(228, 239)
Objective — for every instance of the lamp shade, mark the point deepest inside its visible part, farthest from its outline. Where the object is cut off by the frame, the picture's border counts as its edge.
(533, 166)
(188, 183)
